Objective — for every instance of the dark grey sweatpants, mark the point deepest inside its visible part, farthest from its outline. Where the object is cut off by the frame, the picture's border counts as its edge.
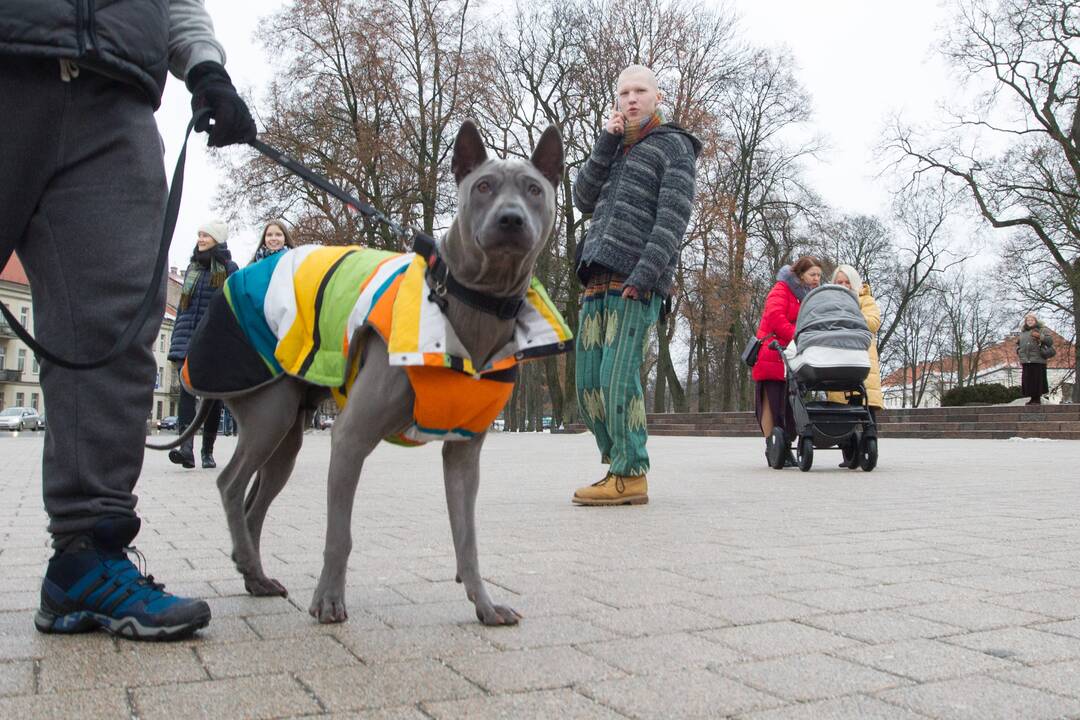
(82, 195)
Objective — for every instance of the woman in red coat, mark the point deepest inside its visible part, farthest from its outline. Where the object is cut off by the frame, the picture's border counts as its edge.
(778, 321)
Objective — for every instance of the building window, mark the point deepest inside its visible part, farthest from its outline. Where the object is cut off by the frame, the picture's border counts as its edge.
(3, 356)
(22, 361)
(161, 342)
(1, 401)
(24, 316)
(36, 365)
(34, 400)
(19, 398)
(160, 376)
(172, 407)
(159, 405)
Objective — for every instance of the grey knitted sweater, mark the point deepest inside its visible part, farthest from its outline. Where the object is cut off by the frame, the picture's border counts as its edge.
(640, 204)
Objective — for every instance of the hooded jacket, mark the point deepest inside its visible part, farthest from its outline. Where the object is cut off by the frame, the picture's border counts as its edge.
(778, 319)
(640, 202)
(135, 41)
(1031, 350)
(872, 314)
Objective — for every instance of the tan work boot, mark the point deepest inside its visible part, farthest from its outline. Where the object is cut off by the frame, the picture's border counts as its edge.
(614, 490)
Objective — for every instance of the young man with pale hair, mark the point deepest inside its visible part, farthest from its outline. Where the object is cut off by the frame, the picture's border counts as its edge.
(638, 185)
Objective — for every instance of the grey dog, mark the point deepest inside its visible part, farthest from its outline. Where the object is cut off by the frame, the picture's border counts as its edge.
(506, 212)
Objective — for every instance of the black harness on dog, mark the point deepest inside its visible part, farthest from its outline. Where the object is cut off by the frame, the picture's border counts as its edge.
(443, 282)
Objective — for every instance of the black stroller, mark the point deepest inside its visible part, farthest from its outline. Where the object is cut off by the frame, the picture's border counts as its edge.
(830, 353)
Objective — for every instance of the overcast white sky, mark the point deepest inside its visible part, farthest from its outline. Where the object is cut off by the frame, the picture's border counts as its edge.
(861, 60)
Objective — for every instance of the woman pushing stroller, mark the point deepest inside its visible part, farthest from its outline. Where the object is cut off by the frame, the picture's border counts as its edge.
(771, 405)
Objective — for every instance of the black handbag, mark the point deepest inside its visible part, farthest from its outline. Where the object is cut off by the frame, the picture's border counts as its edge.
(1047, 351)
(753, 347)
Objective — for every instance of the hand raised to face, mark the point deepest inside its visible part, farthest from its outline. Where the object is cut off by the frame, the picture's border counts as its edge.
(616, 123)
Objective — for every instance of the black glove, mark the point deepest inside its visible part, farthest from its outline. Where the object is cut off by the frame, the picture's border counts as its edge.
(211, 87)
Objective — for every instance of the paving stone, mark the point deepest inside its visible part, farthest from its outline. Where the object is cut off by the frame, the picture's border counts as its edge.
(534, 669)
(435, 641)
(1065, 627)
(16, 678)
(656, 619)
(1023, 644)
(274, 656)
(1061, 678)
(298, 625)
(540, 705)
(973, 614)
(981, 698)
(777, 639)
(387, 685)
(132, 665)
(542, 632)
(658, 653)
(1059, 604)
(877, 626)
(748, 609)
(266, 696)
(854, 707)
(844, 599)
(928, 591)
(925, 660)
(717, 570)
(441, 613)
(107, 704)
(811, 677)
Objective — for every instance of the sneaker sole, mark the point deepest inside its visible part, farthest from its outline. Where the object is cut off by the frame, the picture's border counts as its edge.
(635, 500)
(83, 622)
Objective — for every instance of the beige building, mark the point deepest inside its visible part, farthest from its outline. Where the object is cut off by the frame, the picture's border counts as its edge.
(19, 368)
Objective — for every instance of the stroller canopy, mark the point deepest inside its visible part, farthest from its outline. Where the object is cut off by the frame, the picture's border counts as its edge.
(831, 337)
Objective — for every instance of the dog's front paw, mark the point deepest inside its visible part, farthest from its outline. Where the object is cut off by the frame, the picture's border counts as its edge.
(498, 615)
(264, 587)
(327, 609)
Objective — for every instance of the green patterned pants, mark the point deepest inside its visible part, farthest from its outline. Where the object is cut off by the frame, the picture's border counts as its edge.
(612, 336)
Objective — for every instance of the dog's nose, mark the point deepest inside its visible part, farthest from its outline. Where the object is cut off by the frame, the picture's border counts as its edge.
(511, 220)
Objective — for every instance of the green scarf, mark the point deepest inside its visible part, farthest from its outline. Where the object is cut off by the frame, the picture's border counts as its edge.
(633, 133)
(196, 268)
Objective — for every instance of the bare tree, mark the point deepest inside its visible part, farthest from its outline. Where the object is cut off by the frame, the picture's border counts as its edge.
(1026, 49)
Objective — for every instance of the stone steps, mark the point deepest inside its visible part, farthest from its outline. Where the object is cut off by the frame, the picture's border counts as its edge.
(1059, 422)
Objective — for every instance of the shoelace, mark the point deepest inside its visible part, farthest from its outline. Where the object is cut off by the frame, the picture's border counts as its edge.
(620, 483)
(143, 579)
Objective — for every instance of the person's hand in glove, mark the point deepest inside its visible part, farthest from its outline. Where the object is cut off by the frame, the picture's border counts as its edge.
(211, 87)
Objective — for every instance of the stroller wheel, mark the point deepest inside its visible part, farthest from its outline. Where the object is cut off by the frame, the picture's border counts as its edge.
(868, 454)
(775, 447)
(806, 453)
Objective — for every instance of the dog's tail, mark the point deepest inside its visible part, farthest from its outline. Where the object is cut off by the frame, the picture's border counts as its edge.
(190, 430)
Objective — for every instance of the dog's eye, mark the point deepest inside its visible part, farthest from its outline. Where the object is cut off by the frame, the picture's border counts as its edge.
(534, 189)
(483, 186)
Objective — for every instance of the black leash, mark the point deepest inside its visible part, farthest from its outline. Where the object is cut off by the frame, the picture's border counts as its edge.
(504, 308)
(172, 210)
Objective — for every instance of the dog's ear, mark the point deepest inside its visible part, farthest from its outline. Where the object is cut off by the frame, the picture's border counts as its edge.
(469, 152)
(548, 155)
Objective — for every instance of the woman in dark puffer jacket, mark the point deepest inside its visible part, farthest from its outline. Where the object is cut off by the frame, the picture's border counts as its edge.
(210, 264)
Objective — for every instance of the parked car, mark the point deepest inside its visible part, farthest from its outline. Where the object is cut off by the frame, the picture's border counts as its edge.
(21, 418)
(168, 422)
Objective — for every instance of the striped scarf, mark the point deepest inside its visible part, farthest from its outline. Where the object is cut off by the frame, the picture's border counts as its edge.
(216, 260)
(636, 131)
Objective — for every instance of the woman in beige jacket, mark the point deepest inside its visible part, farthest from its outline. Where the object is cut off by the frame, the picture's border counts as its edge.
(849, 277)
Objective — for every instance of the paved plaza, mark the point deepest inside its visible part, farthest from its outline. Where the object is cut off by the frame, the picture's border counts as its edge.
(945, 584)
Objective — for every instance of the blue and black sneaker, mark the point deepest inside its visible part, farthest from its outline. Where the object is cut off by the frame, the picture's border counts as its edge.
(92, 584)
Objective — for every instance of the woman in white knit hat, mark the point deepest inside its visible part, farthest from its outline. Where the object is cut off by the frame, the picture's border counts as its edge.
(211, 263)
